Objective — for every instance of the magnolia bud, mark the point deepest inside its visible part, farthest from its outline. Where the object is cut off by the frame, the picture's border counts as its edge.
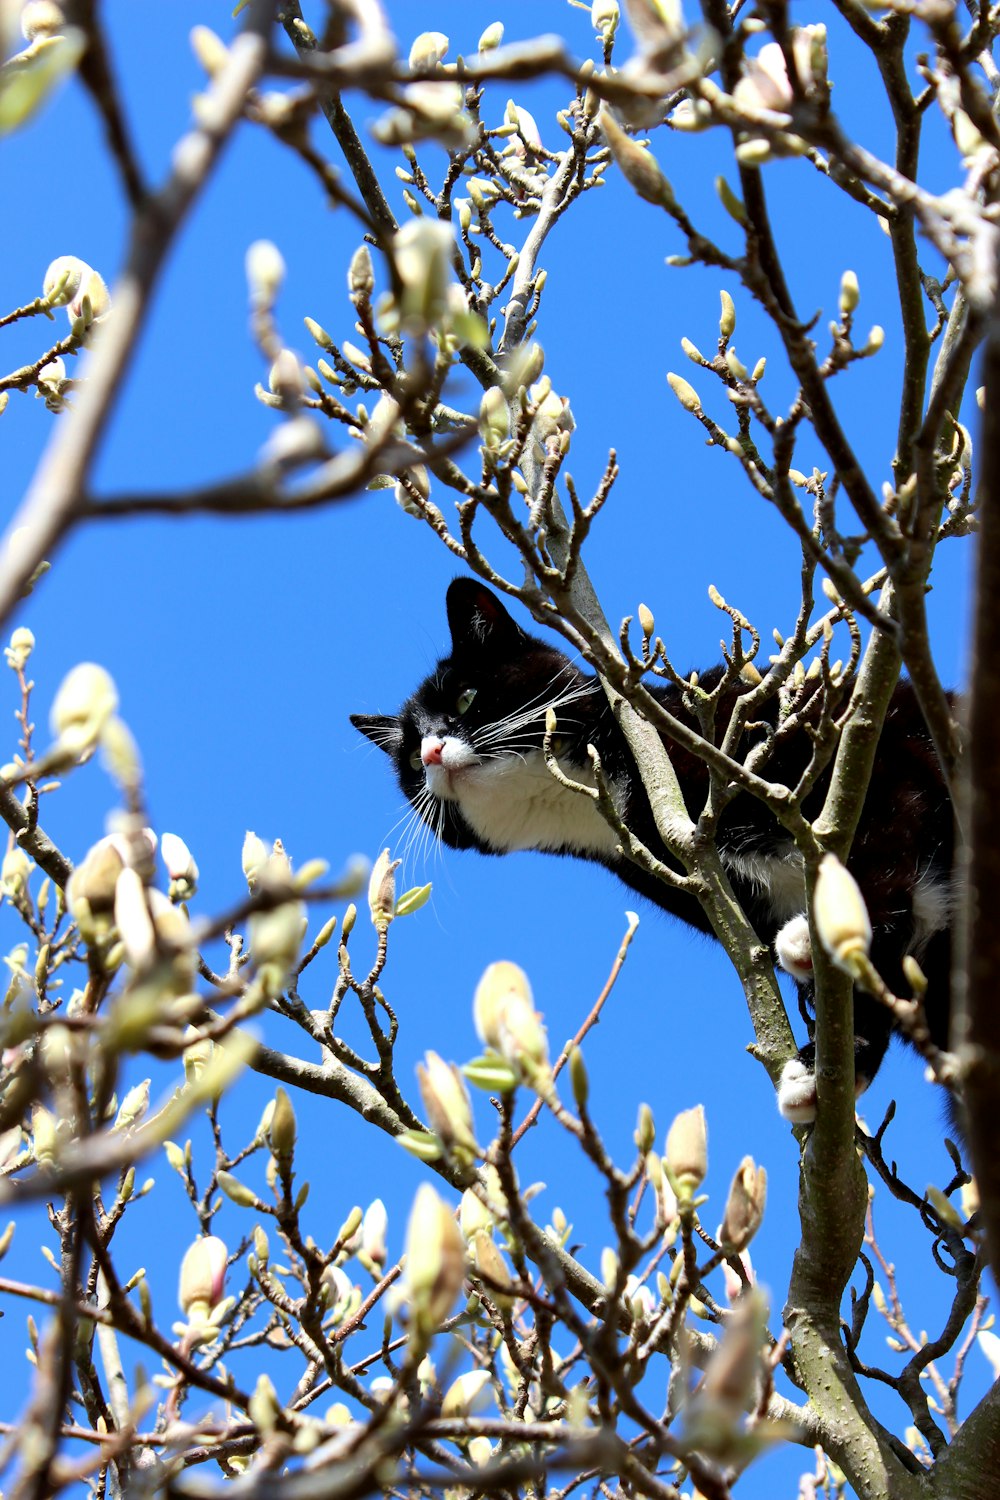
(840, 915)
(446, 1101)
(203, 1277)
(491, 37)
(265, 271)
(500, 981)
(282, 1128)
(14, 872)
(85, 700)
(727, 318)
(685, 393)
(373, 1231)
(604, 17)
(687, 1149)
(745, 1205)
(382, 891)
(180, 865)
(850, 293)
(435, 1262)
(430, 48)
(22, 643)
(638, 166)
(69, 282)
(360, 276)
(494, 417)
(467, 1394)
(254, 858)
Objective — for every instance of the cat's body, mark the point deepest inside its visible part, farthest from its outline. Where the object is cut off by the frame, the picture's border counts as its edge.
(467, 752)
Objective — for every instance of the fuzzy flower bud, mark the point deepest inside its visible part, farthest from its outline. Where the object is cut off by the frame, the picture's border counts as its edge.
(361, 274)
(467, 1394)
(374, 1227)
(840, 915)
(491, 37)
(265, 272)
(422, 252)
(254, 858)
(745, 1205)
(181, 867)
(604, 17)
(382, 891)
(203, 1277)
(446, 1100)
(84, 702)
(685, 392)
(435, 1262)
(494, 417)
(499, 983)
(429, 48)
(850, 293)
(687, 1149)
(22, 643)
(14, 872)
(71, 283)
(282, 1127)
(638, 165)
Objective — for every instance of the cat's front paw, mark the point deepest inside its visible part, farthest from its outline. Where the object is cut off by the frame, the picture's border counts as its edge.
(797, 1091)
(794, 949)
(797, 1086)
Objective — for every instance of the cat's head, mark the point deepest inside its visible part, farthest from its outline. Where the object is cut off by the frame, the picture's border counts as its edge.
(467, 744)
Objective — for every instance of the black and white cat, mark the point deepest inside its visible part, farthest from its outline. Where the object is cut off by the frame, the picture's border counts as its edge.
(467, 748)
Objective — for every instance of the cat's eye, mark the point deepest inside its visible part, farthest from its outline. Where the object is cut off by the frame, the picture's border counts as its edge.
(416, 759)
(464, 701)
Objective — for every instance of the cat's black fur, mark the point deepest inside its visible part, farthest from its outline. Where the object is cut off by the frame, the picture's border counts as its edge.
(467, 751)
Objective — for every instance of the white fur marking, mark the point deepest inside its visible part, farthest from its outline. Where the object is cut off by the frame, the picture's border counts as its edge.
(514, 802)
(779, 875)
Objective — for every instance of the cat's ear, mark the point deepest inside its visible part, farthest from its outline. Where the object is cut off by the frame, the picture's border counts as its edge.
(384, 730)
(479, 622)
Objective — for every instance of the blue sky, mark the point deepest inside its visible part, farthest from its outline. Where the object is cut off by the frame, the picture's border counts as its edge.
(239, 649)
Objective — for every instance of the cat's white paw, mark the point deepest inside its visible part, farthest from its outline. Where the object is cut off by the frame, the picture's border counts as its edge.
(793, 948)
(797, 1092)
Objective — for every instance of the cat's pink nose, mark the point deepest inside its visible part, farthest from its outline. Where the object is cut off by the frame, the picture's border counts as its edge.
(431, 752)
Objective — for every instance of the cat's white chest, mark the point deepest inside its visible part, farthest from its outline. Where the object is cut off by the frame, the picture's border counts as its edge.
(514, 802)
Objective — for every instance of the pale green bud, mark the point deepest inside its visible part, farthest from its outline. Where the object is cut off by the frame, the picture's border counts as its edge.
(468, 1394)
(282, 1129)
(265, 272)
(840, 915)
(727, 318)
(14, 872)
(209, 49)
(85, 700)
(744, 1206)
(604, 17)
(430, 48)
(237, 1192)
(686, 1151)
(435, 1262)
(638, 166)
(499, 983)
(360, 280)
(22, 643)
(69, 282)
(850, 293)
(446, 1100)
(685, 393)
(374, 1227)
(491, 37)
(180, 866)
(382, 891)
(255, 857)
(494, 417)
(202, 1278)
